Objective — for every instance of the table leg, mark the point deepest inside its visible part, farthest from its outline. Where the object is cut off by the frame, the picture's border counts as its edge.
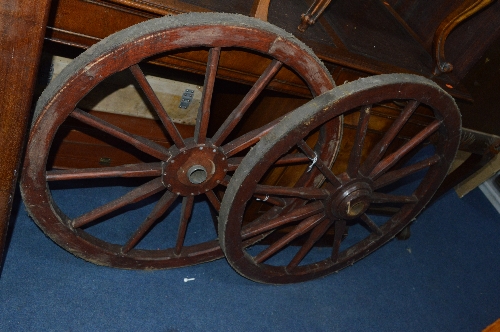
(309, 18)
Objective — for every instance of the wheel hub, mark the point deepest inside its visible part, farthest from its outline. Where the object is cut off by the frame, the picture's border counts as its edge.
(195, 169)
(350, 201)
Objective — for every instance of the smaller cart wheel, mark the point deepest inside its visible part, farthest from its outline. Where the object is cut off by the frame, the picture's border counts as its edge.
(365, 200)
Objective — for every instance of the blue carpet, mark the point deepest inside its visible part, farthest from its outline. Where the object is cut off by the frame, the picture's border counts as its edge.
(446, 277)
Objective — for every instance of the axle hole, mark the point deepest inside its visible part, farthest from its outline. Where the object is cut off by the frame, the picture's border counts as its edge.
(197, 174)
(355, 209)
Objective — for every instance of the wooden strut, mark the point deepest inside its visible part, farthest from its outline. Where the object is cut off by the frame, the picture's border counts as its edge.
(260, 9)
(463, 12)
(157, 9)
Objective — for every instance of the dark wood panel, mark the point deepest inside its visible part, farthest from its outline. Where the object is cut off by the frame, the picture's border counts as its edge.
(424, 17)
(482, 81)
(466, 43)
(239, 7)
(21, 36)
(379, 41)
(367, 28)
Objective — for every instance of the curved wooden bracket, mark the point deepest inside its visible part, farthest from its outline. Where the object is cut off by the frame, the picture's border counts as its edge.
(464, 11)
(260, 9)
(309, 18)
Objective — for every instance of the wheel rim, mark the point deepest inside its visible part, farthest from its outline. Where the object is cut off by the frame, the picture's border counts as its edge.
(190, 167)
(343, 206)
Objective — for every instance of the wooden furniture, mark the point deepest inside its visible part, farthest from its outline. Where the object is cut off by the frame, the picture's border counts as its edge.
(481, 134)
(354, 38)
(22, 30)
(402, 43)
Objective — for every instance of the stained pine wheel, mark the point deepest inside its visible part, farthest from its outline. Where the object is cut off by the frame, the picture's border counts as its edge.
(137, 215)
(381, 180)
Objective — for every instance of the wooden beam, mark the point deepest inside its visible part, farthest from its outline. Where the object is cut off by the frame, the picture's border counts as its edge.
(260, 9)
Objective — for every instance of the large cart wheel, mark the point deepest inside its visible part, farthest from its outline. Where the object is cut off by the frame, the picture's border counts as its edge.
(364, 202)
(112, 232)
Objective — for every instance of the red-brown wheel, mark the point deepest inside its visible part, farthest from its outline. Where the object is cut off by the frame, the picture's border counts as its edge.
(185, 168)
(365, 200)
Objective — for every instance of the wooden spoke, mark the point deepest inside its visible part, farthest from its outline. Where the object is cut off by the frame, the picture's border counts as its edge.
(233, 163)
(261, 220)
(324, 169)
(277, 201)
(262, 225)
(248, 139)
(340, 227)
(355, 156)
(213, 199)
(160, 208)
(141, 143)
(298, 230)
(236, 115)
(225, 181)
(390, 160)
(380, 148)
(187, 209)
(371, 224)
(289, 159)
(388, 198)
(200, 133)
(150, 188)
(124, 171)
(396, 175)
(157, 106)
(301, 192)
(315, 235)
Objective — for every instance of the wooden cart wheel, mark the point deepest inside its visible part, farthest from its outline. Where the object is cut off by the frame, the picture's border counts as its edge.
(364, 202)
(180, 171)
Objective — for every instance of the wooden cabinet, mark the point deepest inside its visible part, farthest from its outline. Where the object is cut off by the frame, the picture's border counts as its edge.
(372, 36)
(354, 38)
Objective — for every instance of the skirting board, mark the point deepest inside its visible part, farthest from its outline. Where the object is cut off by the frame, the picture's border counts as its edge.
(490, 190)
(486, 172)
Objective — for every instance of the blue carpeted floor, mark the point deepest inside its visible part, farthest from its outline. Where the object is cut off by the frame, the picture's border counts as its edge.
(446, 277)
